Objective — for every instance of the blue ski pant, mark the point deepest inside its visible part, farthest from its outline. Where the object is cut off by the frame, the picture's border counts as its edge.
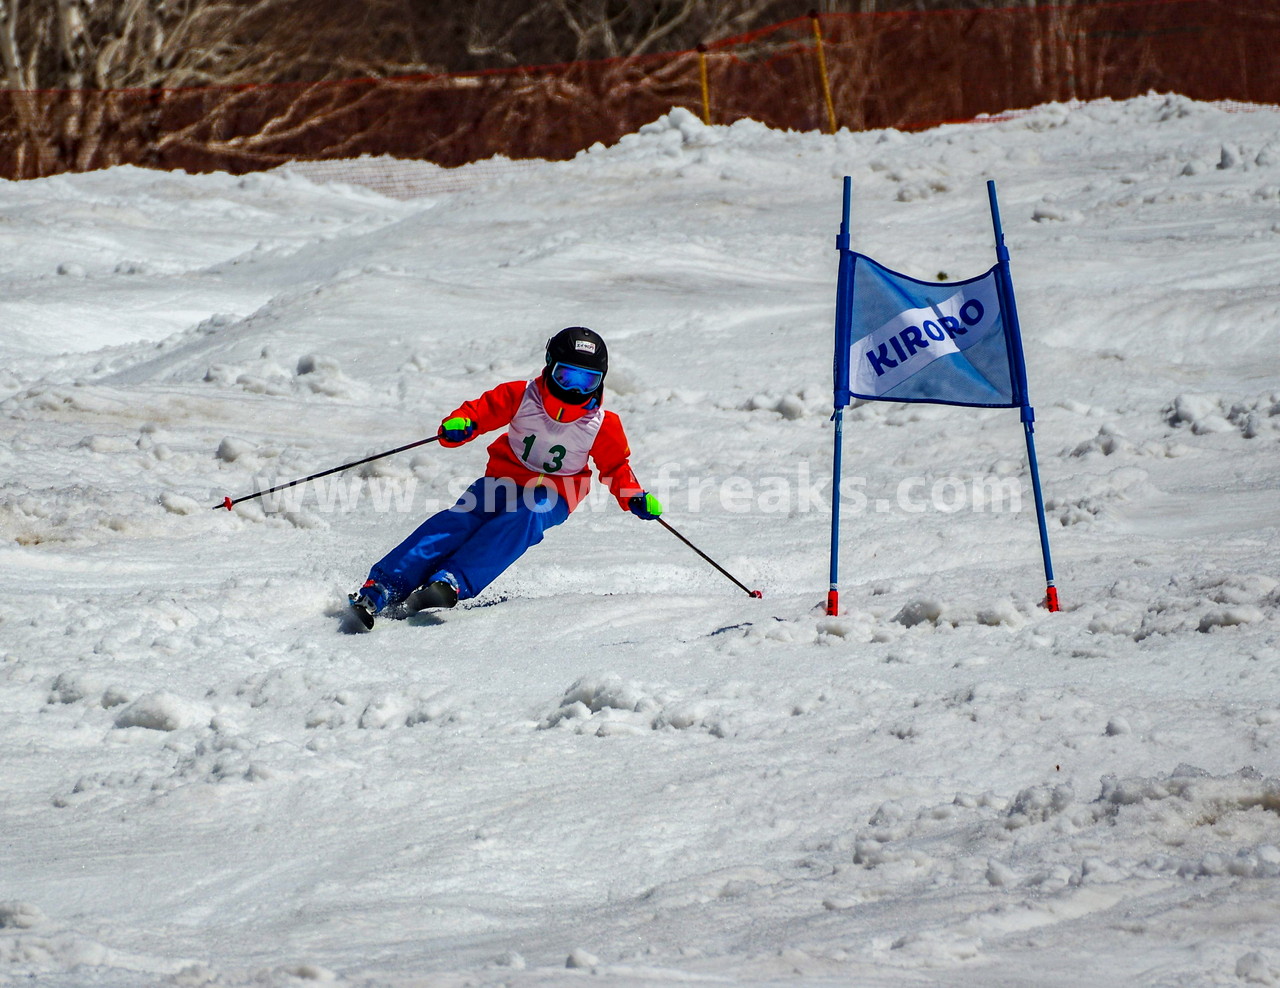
(487, 530)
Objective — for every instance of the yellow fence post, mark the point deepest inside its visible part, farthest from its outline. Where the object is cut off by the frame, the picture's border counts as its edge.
(822, 70)
(706, 91)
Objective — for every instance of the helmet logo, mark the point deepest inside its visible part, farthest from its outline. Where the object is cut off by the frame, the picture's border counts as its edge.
(585, 345)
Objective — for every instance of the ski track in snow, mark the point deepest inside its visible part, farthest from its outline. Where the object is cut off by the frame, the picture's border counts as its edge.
(613, 762)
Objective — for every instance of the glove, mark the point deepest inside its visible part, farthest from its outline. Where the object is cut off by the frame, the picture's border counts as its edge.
(644, 506)
(457, 430)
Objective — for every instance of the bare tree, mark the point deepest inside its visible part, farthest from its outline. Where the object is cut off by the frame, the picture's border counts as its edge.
(531, 32)
(74, 44)
(17, 73)
(114, 44)
(87, 77)
(520, 32)
(186, 83)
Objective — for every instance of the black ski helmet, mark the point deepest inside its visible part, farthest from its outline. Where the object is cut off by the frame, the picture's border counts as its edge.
(580, 347)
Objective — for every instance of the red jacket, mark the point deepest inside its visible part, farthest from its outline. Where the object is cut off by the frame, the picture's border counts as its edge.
(610, 452)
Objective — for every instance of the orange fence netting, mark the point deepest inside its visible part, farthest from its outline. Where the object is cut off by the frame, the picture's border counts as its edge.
(902, 70)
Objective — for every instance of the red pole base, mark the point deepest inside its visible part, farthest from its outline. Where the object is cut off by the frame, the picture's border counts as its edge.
(833, 602)
(226, 502)
(757, 594)
(1051, 599)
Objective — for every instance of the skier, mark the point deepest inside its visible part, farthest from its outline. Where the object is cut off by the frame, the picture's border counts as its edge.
(537, 474)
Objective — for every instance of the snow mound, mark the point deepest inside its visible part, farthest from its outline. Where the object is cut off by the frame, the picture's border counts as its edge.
(163, 711)
(20, 916)
(608, 706)
(1186, 824)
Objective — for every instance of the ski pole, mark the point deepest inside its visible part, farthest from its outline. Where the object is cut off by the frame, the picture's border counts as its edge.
(228, 502)
(750, 593)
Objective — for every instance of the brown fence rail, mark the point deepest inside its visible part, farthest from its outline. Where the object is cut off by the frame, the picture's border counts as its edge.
(903, 70)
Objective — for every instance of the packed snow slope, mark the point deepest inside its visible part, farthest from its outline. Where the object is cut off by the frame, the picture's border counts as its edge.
(614, 761)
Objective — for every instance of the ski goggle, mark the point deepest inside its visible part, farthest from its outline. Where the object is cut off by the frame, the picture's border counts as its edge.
(571, 377)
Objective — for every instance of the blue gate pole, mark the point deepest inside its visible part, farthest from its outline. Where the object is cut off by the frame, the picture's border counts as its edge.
(1018, 366)
(833, 593)
(840, 373)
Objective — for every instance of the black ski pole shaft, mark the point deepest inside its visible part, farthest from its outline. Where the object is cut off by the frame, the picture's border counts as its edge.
(742, 586)
(228, 502)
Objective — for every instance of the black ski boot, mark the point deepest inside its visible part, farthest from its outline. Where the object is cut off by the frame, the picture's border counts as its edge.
(367, 601)
(439, 593)
(362, 609)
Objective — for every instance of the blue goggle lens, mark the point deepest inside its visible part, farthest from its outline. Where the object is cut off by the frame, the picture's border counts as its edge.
(584, 380)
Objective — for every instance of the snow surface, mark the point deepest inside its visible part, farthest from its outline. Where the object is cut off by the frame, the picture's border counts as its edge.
(614, 763)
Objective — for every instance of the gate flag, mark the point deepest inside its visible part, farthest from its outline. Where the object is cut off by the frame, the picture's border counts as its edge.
(911, 340)
(945, 342)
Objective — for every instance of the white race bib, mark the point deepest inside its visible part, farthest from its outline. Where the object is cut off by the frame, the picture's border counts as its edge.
(549, 447)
